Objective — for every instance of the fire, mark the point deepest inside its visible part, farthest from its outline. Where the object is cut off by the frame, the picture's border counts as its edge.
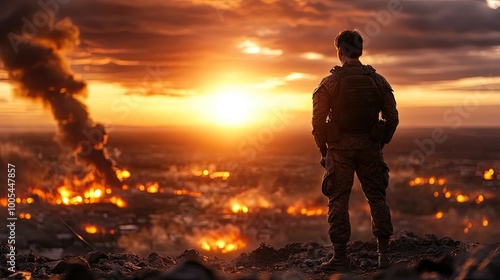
(436, 194)
(488, 174)
(447, 194)
(462, 198)
(480, 199)
(485, 222)
(118, 202)
(223, 244)
(221, 240)
(439, 215)
(220, 174)
(91, 229)
(419, 181)
(74, 192)
(153, 188)
(26, 216)
(224, 175)
(122, 174)
(294, 210)
(238, 208)
(187, 193)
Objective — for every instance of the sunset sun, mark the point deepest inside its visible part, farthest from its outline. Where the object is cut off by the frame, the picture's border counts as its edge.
(232, 107)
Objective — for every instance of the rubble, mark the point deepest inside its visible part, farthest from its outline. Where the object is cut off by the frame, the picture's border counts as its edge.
(412, 257)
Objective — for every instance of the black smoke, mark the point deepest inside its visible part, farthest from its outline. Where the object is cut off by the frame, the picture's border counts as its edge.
(33, 46)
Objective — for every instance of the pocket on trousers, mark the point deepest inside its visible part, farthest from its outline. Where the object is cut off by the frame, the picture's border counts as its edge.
(326, 186)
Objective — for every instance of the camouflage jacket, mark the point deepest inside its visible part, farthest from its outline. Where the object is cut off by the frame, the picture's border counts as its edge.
(322, 98)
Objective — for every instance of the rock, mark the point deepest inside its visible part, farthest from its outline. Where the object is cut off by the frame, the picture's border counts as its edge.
(190, 270)
(63, 265)
(189, 255)
(77, 271)
(94, 257)
(311, 263)
(154, 259)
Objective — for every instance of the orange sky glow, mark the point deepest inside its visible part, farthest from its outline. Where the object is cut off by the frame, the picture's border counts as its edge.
(234, 63)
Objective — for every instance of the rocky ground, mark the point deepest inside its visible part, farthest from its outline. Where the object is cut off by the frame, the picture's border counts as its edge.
(412, 256)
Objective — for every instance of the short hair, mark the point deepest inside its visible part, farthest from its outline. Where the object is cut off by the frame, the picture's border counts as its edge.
(351, 43)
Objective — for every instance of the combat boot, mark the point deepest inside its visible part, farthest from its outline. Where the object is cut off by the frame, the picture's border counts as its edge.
(382, 250)
(339, 261)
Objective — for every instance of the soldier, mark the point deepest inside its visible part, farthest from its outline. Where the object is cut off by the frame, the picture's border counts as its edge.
(348, 130)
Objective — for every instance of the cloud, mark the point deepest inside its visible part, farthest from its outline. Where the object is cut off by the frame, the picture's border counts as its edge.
(423, 42)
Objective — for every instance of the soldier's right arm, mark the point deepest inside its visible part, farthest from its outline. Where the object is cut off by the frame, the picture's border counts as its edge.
(321, 109)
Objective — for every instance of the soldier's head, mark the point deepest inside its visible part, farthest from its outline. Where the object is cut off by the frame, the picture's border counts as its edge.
(349, 44)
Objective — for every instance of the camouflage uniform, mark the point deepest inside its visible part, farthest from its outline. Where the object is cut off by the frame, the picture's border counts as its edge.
(353, 153)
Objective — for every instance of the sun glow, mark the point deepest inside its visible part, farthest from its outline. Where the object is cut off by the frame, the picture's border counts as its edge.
(494, 4)
(232, 107)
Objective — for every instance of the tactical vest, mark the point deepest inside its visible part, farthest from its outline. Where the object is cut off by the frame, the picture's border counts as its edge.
(358, 101)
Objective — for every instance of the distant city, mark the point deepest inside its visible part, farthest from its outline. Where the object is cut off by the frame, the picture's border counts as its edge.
(178, 192)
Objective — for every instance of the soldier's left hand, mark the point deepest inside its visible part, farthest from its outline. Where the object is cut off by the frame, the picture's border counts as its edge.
(322, 161)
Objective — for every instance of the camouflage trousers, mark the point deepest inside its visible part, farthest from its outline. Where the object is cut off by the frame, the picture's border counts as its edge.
(373, 174)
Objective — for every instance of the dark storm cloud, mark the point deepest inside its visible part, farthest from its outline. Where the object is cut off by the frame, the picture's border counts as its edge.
(194, 41)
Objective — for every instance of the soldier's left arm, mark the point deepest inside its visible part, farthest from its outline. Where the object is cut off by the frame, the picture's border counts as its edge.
(389, 110)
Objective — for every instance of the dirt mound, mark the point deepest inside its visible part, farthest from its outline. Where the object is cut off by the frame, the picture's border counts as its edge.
(412, 256)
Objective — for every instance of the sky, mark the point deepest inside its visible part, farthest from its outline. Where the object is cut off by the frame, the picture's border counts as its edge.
(237, 63)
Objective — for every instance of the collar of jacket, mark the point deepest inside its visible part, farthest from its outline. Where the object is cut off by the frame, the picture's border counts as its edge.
(352, 63)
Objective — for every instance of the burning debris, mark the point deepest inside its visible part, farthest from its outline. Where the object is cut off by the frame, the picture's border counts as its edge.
(33, 54)
(224, 240)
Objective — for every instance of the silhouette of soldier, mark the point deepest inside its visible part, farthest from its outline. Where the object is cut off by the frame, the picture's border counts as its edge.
(354, 116)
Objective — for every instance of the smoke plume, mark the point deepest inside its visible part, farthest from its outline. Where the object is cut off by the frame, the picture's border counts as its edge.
(33, 48)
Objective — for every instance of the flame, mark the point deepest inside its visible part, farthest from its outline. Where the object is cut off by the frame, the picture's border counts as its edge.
(480, 199)
(462, 198)
(436, 194)
(419, 181)
(439, 215)
(220, 174)
(238, 208)
(295, 210)
(74, 192)
(153, 188)
(222, 240)
(122, 174)
(485, 222)
(91, 229)
(26, 216)
(432, 180)
(488, 174)
(441, 181)
(224, 175)
(118, 202)
(447, 194)
(187, 193)
(223, 244)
